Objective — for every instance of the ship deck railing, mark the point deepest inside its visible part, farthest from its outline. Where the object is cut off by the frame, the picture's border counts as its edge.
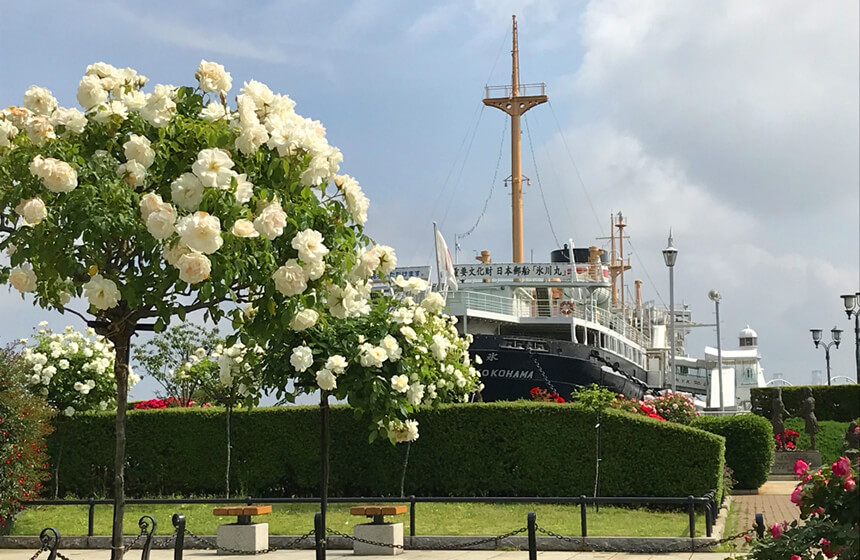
(535, 308)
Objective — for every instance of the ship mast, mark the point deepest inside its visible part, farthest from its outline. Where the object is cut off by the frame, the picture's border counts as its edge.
(509, 100)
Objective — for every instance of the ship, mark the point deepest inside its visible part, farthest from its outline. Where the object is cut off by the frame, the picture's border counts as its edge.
(562, 323)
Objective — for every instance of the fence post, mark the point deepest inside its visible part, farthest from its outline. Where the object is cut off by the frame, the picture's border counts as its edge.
(532, 537)
(144, 523)
(50, 542)
(691, 511)
(319, 535)
(179, 523)
(709, 516)
(582, 516)
(412, 515)
(759, 525)
(91, 516)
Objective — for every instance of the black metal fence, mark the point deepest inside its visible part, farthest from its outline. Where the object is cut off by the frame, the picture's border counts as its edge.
(707, 503)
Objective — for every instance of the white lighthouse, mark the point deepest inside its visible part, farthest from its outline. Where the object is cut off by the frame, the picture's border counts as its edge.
(743, 365)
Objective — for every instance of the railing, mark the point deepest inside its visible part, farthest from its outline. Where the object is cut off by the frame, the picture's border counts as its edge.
(500, 92)
(492, 303)
(707, 502)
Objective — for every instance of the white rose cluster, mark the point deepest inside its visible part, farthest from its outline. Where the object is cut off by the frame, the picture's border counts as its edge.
(72, 370)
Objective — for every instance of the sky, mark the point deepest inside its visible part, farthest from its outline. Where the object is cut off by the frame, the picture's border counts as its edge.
(734, 123)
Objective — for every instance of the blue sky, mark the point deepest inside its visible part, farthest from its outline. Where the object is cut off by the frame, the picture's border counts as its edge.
(733, 122)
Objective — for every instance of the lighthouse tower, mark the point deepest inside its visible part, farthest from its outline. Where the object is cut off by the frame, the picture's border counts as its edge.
(746, 365)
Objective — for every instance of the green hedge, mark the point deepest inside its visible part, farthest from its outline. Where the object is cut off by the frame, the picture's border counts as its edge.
(749, 445)
(829, 440)
(520, 448)
(840, 403)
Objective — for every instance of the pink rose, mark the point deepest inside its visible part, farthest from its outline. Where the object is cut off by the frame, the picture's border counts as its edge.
(776, 530)
(841, 467)
(850, 484)
(797, 494)
(800, 467)
(795, 557)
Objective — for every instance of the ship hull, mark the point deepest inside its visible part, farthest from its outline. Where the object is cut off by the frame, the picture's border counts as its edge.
(512, 366)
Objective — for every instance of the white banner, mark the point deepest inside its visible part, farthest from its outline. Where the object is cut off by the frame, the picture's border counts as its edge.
(508, 271)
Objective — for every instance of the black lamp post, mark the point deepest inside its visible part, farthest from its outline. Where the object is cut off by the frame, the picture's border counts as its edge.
(670, 254)
(852, 308)
(836, 335)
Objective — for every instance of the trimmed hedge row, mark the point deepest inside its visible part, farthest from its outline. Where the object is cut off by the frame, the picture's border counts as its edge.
(749, 446)
(509, 449)
(840, 403)
(830, 439)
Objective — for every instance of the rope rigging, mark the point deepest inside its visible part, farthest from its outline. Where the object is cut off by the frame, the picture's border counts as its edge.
(540, 186)
(576, 169)
(459, 236)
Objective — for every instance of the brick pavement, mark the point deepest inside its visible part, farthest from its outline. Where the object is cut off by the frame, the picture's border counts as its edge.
(773, 500)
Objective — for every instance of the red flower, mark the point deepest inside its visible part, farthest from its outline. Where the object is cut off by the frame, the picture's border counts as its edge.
(850, 485)
(841, 467)
(800, 467)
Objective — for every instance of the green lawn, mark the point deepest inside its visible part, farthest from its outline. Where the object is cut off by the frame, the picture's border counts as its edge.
(430, 519)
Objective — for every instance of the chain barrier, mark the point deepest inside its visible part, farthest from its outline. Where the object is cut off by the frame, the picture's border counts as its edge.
(453, 546)
(39, 552)
(578, 541)
(211, 545)
(133, 543)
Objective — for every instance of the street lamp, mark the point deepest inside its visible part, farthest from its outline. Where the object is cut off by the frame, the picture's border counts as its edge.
(670, 254)
(836, 335)
(715, 296)
(852, 307)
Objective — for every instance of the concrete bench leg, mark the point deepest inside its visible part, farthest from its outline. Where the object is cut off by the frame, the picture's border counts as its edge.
(388, 533)
(247, 537)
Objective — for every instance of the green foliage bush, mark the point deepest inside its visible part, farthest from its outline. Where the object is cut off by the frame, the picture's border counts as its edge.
(749, 445)
(520, 448)
(24, 426)
(829, 439)
(840, 403)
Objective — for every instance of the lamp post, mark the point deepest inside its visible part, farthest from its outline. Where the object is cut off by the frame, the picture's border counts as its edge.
(836, 335)
(716, 297)
(670, 254)
(852, 308)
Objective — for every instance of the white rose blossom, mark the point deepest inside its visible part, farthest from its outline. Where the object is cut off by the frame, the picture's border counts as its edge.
(149, 203)
(73, 120)
(39, 129)
(201, 232)
(8, 131)
(32, 211)
(132, 172)
(304, 319)
(106, 111)
(101, 292)
(214, 168)
(161, 223)
(301, 358)
(290, 279)
(314, 270)
(139, 149)
(336, 364)
(187, 192)
(39, 100)
(271, 221)
(23, 278)
(326, 380)
(213, 77)
(91, 93)
(244, 189)
(433, 302)
(214, 112)
(309, 244)
(193, 267)
(57, 176)
(244, 228)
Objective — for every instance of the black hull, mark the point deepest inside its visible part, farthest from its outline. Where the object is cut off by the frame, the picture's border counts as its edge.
(512, 366)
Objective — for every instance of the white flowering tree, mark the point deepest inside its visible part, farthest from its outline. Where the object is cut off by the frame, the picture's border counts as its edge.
(74, 372)
(154, 205)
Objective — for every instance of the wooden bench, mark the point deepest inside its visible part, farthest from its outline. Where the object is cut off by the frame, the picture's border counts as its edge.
(243, 513)
(377, 513)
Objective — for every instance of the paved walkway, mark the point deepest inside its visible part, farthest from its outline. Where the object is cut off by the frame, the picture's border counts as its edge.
(408, 555)
(773, 500)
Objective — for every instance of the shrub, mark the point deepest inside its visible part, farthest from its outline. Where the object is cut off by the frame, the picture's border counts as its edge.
(830, 509)
(23, 428)
(749, 445)
(840, 403)
(520, 448)
(829, 439)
